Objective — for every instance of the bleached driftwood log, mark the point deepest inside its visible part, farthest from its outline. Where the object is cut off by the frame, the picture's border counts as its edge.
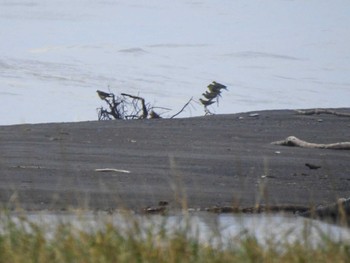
(294, 141)
(106, 170)
(323, 111)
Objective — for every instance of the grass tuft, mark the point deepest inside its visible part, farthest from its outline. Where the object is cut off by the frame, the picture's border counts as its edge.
(22, 240)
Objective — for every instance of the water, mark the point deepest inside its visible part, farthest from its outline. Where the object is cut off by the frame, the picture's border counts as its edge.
(219, 230)
(276, 54)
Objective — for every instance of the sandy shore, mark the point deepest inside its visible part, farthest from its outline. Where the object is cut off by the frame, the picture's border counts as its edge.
(220, 160)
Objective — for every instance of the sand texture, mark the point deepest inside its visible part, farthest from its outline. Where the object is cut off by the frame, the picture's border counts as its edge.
(220, 160)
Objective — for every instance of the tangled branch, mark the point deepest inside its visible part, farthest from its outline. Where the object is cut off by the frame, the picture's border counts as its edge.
(124, 107)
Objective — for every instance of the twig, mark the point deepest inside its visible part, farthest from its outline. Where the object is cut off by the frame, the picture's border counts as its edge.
(182, 108)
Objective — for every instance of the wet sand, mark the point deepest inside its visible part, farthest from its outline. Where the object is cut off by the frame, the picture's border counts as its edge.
(200, 162)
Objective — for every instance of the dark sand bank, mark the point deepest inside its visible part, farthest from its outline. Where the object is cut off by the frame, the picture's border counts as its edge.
(215, 160)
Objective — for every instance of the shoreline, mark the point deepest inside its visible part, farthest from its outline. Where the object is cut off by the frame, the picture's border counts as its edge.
(342, 109)
(199, 162)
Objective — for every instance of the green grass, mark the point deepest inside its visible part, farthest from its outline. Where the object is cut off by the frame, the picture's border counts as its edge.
(24, 241)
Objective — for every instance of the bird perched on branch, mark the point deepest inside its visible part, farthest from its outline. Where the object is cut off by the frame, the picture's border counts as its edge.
(206, 102)
(216, 87)
(220, 85)
(213, 92)
(103, 95)
(211, 95)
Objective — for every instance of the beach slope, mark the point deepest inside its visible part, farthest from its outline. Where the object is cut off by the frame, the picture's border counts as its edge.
(200, 162)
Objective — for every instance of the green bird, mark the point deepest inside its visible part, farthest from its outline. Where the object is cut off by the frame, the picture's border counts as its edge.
(220, 85)
(211, 95)
(103, 95)
(213, 89)
(206, 102)
(216, 87)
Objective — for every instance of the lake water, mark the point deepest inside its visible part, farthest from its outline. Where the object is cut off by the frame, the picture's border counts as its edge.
(272, 54)
(222, 230)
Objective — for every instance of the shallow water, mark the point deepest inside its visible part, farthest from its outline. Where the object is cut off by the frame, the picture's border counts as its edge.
(54, 55)
(222, 230)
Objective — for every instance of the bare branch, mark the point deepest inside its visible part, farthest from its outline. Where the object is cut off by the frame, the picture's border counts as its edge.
(183, 108)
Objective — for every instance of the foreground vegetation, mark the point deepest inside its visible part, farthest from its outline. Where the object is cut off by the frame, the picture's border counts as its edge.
(22, 240)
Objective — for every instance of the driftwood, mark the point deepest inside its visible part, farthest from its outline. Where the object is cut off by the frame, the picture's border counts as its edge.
(124, 107)
(106, 170)
(129, 107)
(144, 113)
(294, 141)
(323, 111)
